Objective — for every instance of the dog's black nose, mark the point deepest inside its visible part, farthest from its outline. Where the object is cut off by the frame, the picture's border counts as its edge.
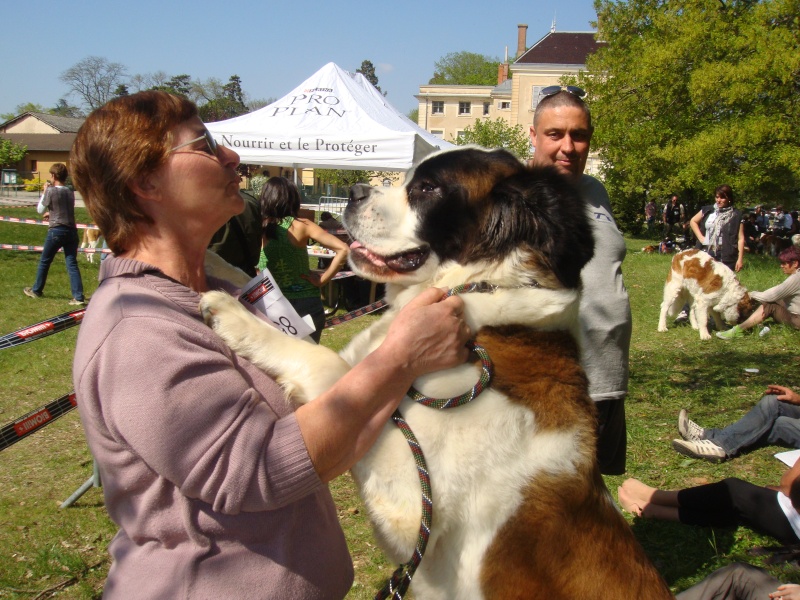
(359, 192)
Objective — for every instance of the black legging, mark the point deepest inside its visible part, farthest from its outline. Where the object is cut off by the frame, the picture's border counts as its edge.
(733, 502)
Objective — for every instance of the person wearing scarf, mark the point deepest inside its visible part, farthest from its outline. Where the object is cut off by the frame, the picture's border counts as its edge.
(720, 231)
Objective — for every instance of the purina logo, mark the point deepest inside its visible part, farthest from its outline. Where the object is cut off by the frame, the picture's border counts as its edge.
(308, 91)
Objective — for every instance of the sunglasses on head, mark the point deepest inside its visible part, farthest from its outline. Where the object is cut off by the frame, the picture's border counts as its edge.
(210, 142)
(552, 90)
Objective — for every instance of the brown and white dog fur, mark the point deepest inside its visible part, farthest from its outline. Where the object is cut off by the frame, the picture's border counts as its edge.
(774, 245)
(710, 288)
(91, 239)
(520, 509)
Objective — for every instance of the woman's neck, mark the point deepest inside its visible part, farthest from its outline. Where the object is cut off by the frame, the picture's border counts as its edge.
(180, 259)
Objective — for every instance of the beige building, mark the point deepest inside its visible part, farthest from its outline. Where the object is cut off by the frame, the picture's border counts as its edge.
(446, 110)
(49, 139)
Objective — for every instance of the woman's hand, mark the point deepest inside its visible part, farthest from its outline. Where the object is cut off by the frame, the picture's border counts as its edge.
(784, 394)
(429, 333)
(342, 423)
(787, 591)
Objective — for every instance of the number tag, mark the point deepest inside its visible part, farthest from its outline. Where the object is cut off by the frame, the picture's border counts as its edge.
(264, 294)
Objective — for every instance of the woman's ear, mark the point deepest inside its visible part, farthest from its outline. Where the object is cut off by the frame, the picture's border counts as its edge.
(145, 186)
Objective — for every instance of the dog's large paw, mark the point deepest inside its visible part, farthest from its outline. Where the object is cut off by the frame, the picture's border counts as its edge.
(229, 319)
(214, 306)
(662, 328)
(705, 335)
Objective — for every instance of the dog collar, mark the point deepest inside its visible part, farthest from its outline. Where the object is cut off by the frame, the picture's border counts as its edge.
(483, 287)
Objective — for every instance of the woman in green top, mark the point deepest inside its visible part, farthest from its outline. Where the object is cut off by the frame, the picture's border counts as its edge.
(284, 250)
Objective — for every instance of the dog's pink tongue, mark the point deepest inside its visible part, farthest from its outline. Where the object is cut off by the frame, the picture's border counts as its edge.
(375, 259)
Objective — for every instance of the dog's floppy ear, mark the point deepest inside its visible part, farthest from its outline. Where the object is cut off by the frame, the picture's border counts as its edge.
(540, 208)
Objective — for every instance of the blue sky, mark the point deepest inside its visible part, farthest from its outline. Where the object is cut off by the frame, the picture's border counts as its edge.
(272, 46)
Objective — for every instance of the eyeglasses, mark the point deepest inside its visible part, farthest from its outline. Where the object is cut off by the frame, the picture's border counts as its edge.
(210, 142)
(552, 90)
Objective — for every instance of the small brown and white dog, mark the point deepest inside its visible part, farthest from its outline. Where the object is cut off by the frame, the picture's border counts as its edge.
(91, 239)
(709, 287)
(520, 509)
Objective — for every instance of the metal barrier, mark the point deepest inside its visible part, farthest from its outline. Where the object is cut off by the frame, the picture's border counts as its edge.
(332, 204)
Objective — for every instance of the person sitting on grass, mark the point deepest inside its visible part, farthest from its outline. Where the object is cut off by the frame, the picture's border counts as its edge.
(770, 510)
(740, 581)
(781, 302)
(774, 420)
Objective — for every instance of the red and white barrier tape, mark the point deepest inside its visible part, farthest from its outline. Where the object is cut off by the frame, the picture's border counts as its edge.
(41, 249)
(41, 222)
(38, 418)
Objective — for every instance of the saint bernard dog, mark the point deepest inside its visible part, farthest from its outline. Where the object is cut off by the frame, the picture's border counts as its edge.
(520, 509)
(709, 287)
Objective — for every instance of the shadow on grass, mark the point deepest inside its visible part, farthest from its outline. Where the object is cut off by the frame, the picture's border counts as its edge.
(718, 368)
(680, 551)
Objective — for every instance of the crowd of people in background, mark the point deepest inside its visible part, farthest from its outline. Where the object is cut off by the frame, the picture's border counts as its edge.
(672, 221)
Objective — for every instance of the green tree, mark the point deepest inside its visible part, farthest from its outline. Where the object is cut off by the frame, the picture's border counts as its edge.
(497, 134)
(233, 90)
(465, 68)
(690, 94)
(368, 71)
(413, 115)
(223, 101)
(180, 85)
(11, 153)
(342, 179)
(22, 109)
(64, 109)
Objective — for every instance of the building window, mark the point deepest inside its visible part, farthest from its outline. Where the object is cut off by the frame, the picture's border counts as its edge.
(536, 95)
(464, 108)
(460, 135)
(437, 107)
(485, 108)
(505, 106)
(438, 133)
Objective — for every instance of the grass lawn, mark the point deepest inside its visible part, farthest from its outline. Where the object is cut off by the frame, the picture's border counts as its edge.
(46, 551)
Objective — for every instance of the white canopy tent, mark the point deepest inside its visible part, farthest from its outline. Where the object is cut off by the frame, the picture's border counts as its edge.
(333, 120)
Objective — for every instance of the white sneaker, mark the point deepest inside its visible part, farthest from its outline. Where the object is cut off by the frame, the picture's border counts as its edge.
(764, 331)
(705, 449)
(682, 317)
(688, 429)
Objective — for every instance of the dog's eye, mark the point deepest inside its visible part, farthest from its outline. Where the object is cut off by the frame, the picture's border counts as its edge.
(427, 187)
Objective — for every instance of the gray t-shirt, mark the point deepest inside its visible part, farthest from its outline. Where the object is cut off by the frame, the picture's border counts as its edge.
(60, 201)
(605, 310)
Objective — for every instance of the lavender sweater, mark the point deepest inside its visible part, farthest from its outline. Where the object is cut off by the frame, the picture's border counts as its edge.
(202, 461)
